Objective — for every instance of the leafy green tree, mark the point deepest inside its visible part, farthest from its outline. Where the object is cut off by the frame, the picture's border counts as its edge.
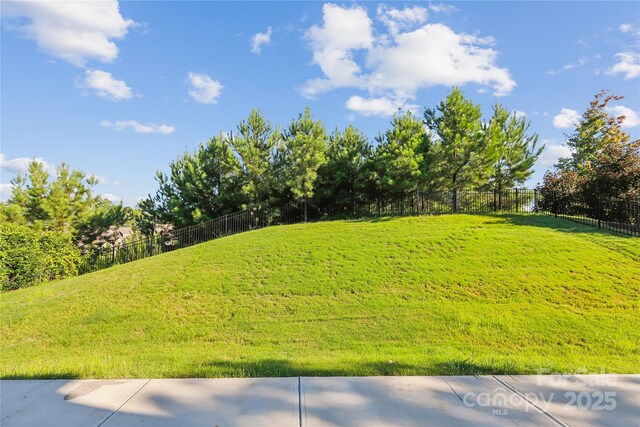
(614, 175)
(462, 154)
(518, 151)
(303, 152)
(343, 177)
(595, 130)
(603, 173)
(254, 145)
(399, 159)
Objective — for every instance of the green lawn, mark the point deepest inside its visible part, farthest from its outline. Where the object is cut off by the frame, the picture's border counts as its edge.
(452, 294)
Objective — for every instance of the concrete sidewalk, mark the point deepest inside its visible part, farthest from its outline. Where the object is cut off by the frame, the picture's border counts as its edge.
(596, 400)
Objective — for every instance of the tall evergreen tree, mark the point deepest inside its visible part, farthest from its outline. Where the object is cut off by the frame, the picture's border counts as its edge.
(70, 202)
(62, 204)
(255, 144)
(36, 192)
(399, 160)
(342, 178)
(462, 154)
(201, 186)
(518, 151)
(303, 151)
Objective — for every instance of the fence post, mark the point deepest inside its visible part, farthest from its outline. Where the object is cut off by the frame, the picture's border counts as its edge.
(455, 201)
(555, 204)
(599, 210)
(305, 209)
(535, 200)
(495, 200)
(517, 202)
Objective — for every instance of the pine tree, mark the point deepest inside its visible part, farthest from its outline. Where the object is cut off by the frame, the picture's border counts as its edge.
(255, 146)
(201, 186)
(518, 151)
(462, 154)
(400, 155)
(343, 176)
(303, 152)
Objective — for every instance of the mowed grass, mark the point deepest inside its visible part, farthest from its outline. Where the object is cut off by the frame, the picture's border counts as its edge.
(453, 294)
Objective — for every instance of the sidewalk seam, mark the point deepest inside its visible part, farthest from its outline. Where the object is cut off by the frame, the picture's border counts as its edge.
(123, 403)
(299, 402)
(516, 391)
(452, 389)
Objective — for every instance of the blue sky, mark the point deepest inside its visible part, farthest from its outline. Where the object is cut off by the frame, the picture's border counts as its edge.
(121, 89)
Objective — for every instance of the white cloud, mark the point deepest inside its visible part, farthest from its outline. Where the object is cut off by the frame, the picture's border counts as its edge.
(137, 127)
(436, 55)
(399, 63)
(343, 31)
(204, 89)
(111, 197)
(552, 152)
(396, 19)
(105, 86)
(566, 119)
(581, 41)
(519, 114)
(629, 65)
(383, 107)
(21, 164)
(631, 118)
(5, 191)
(570, 66)
(75, 31)
(625, 28)
(259, 40)
(442, 8)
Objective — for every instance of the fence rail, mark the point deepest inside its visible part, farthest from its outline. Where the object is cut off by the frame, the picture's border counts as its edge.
(621, 217)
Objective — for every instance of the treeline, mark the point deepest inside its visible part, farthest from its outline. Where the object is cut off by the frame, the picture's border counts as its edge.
(49, 222)
(450, 147)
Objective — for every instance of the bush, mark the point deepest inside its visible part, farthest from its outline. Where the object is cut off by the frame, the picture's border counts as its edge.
(60, 257)
(20, 257)
(28, 257)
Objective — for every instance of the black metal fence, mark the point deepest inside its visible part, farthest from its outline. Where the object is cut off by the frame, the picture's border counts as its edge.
(248, 219)
(622, 217)
(429, 203)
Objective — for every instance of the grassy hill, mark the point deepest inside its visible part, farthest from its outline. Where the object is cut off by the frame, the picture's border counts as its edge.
(451, 294)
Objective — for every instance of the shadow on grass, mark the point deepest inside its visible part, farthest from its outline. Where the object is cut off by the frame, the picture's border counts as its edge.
(526, 219)
(559, 224)
(48, 375)
(284, 368)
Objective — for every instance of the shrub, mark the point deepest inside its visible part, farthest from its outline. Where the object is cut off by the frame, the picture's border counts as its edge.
(20, 257)
(60, 257)
(28, 257)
